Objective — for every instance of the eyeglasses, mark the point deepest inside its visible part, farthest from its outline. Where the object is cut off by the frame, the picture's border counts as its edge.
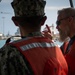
(58, 22)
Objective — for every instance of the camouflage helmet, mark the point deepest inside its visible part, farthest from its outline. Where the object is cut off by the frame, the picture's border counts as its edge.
(28, 8)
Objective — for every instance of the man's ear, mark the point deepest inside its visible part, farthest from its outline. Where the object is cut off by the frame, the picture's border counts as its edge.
(15, 21)
(43, 20)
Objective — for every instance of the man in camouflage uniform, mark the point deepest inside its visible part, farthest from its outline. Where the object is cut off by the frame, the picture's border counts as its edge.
(29, 16)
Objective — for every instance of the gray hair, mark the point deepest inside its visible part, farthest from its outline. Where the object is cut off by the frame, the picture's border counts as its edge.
(67, 12)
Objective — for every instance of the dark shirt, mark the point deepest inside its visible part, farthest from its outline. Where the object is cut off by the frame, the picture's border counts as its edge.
(70, 43)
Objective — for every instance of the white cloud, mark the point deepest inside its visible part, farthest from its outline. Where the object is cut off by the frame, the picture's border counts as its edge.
(6, 1)
(55, 8)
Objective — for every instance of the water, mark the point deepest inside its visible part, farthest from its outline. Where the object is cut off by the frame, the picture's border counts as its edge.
(2, 42)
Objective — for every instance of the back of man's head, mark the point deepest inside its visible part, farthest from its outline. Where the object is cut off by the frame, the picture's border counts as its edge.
(28, 8)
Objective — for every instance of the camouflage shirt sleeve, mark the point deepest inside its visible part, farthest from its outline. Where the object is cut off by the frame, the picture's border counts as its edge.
(12, 62)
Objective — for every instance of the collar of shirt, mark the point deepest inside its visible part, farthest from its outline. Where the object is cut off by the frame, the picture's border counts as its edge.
(70, 43)
(33, 34)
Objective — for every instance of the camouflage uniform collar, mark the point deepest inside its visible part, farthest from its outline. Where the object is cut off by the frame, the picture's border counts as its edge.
(33, 34)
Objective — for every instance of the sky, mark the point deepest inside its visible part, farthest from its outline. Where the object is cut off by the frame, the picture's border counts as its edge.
(6, 13)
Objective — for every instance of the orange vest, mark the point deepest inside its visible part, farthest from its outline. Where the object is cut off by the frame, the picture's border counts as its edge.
(70, 58)
(42, 54)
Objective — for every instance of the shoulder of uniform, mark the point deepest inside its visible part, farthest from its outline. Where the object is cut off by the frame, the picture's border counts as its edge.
(8, 49)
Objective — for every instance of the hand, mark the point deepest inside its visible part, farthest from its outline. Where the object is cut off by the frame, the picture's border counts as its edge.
(47, 32)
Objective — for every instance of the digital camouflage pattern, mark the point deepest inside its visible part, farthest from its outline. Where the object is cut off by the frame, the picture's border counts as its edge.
(12, 62)
(28, 8)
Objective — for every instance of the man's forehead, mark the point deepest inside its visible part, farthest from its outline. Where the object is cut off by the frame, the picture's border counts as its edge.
(60, 16)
